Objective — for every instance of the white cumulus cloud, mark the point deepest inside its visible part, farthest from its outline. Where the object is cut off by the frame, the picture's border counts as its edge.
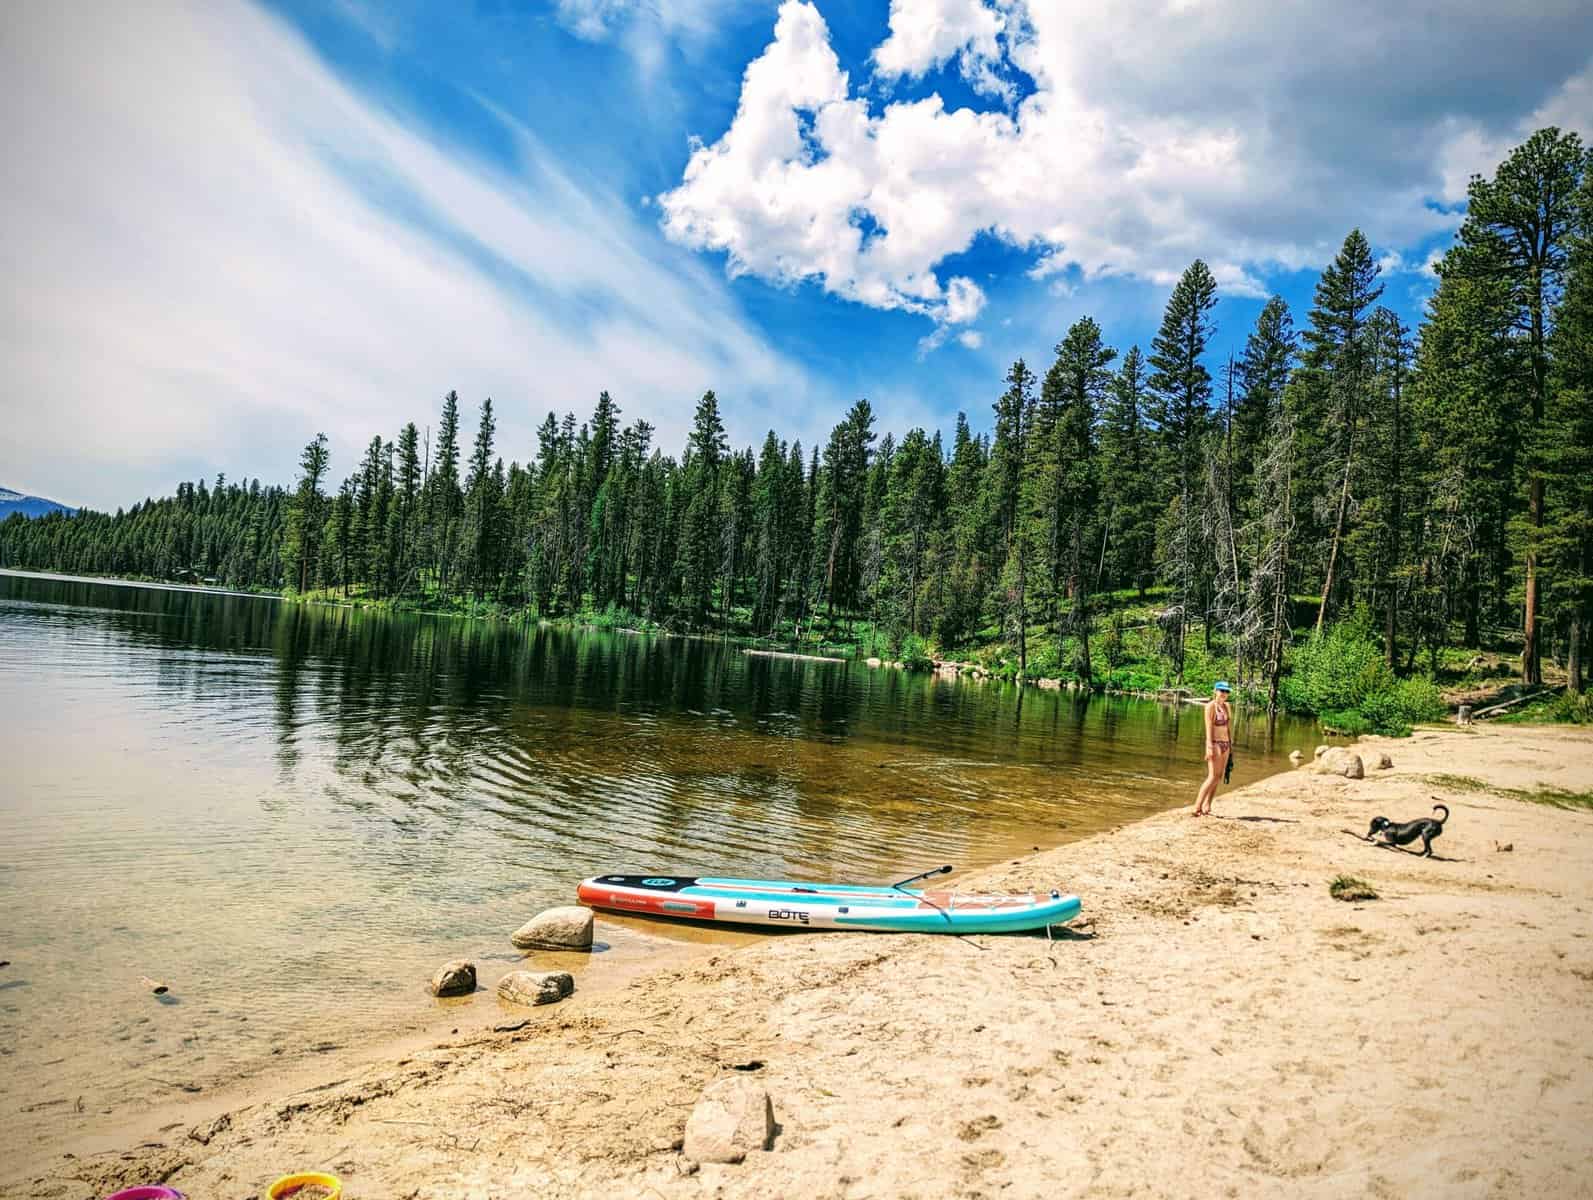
(1251, 135)
(926, 34)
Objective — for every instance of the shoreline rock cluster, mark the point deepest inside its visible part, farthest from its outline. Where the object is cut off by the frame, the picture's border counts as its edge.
(567, 927)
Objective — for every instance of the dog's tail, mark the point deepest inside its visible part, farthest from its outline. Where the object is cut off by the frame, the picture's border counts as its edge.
(1443, 808)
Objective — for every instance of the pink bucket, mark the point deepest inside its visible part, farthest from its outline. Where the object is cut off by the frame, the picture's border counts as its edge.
(147, 1193)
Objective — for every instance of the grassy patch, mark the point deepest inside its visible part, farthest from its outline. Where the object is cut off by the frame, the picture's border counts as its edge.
(1347, 887)
(1458, 783)
(1554, 797)
(1542, 794)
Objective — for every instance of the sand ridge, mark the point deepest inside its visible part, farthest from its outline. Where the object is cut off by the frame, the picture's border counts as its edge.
(1221, 1028)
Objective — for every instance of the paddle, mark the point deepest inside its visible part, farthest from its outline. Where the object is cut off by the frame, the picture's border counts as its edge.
(946, 870)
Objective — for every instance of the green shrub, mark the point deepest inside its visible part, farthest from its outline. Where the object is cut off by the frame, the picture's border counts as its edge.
(1408, 702)
(1350, 721)
(1337, 670)
(1044, 661)
(915, 654)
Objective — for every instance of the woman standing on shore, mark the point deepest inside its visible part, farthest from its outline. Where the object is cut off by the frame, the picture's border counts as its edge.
(1219, 744)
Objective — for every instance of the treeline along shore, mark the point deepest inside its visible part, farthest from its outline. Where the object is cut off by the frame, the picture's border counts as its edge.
(1337, 518)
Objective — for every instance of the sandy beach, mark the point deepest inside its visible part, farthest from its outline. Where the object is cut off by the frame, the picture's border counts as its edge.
(1219, 1026)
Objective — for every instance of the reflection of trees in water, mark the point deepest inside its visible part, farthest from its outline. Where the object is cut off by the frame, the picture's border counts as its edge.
(550, 741)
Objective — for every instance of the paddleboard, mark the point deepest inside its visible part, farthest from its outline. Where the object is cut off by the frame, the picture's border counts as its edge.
(792, 905)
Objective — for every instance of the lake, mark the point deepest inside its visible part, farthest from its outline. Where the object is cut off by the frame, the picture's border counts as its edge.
(293, 815)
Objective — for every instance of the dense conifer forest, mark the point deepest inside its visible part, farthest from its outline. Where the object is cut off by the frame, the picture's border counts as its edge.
(1325, 517)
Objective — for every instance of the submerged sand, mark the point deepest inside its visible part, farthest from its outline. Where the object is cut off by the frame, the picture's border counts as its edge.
(1224, 1028)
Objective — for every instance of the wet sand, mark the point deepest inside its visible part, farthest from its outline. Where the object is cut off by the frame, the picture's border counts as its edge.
(1223, 1028)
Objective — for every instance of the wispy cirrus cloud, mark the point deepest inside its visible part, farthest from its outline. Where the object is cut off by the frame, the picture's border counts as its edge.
(215, 247)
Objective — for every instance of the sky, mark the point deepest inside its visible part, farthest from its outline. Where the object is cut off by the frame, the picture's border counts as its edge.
(231, 225)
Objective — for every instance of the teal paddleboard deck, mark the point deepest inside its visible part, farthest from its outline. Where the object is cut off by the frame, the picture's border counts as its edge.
(790, 904)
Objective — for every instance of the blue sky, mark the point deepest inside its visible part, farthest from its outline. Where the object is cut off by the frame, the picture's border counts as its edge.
(233, 225)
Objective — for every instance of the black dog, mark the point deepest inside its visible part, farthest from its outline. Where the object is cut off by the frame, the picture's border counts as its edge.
(1403, 835)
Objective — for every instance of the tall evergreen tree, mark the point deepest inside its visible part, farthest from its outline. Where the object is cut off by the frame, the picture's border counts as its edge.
(1335, 384)
(1263, 372)
(482, 491)
(1518, 225)
(1567, 444)
(1015, 413)
(700, 541)
(1181, 386)
(306, 515)
(1130, 481)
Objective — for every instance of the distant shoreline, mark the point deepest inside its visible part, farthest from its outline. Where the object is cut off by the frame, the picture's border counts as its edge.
(112, 581)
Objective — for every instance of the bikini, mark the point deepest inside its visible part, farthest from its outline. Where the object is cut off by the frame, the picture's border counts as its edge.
(1222, 745)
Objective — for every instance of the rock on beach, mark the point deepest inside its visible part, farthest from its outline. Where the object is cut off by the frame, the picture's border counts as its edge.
(457, 978)
(565, 928)
(536, 987)
(1340, 761)
(732, 1118)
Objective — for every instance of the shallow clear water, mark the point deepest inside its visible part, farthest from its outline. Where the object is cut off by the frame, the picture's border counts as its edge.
(293, 814)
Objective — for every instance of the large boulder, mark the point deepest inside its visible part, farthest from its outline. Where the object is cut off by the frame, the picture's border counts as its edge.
(566, 928)
(457, 978)
(1341, 761)
(536, 987)
(732, 1118)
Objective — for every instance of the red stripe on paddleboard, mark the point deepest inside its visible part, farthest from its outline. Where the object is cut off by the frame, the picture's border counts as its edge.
(663, 904)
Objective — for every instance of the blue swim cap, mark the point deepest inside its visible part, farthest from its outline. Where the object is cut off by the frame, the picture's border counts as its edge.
(1221, 686)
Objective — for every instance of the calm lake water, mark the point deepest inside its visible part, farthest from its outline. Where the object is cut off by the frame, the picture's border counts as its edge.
(293, 814)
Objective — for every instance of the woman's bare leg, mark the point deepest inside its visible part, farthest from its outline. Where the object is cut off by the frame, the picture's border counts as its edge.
(1203, 797)
(1215, 781)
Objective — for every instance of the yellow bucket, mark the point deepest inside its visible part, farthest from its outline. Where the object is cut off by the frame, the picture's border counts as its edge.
(288, 1186)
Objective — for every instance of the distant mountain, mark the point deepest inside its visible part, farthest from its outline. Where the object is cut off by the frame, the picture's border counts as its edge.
(29, 506)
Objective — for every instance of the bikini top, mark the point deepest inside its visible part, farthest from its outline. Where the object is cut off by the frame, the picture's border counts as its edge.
(1222, 716)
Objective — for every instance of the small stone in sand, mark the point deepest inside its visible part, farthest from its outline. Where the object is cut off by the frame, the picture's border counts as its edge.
(732, 1118)
(1384, 762)
(536, 987)
(457, 978)
(1295, 756)
(1321, 750)
(568, 927)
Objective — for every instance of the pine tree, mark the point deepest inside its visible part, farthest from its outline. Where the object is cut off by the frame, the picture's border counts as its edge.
(843, 492)
(1263, 373)
(1068, 474)
(769, 500)
(1015, 413)
(1337, 379)
(1181, 386)
(1465, 362)
(700, 542)
(482, 491)
(306, 514)
(406, 508)
(1567, 444)
(1129, 478)
(443, 500)
(1518, 224)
